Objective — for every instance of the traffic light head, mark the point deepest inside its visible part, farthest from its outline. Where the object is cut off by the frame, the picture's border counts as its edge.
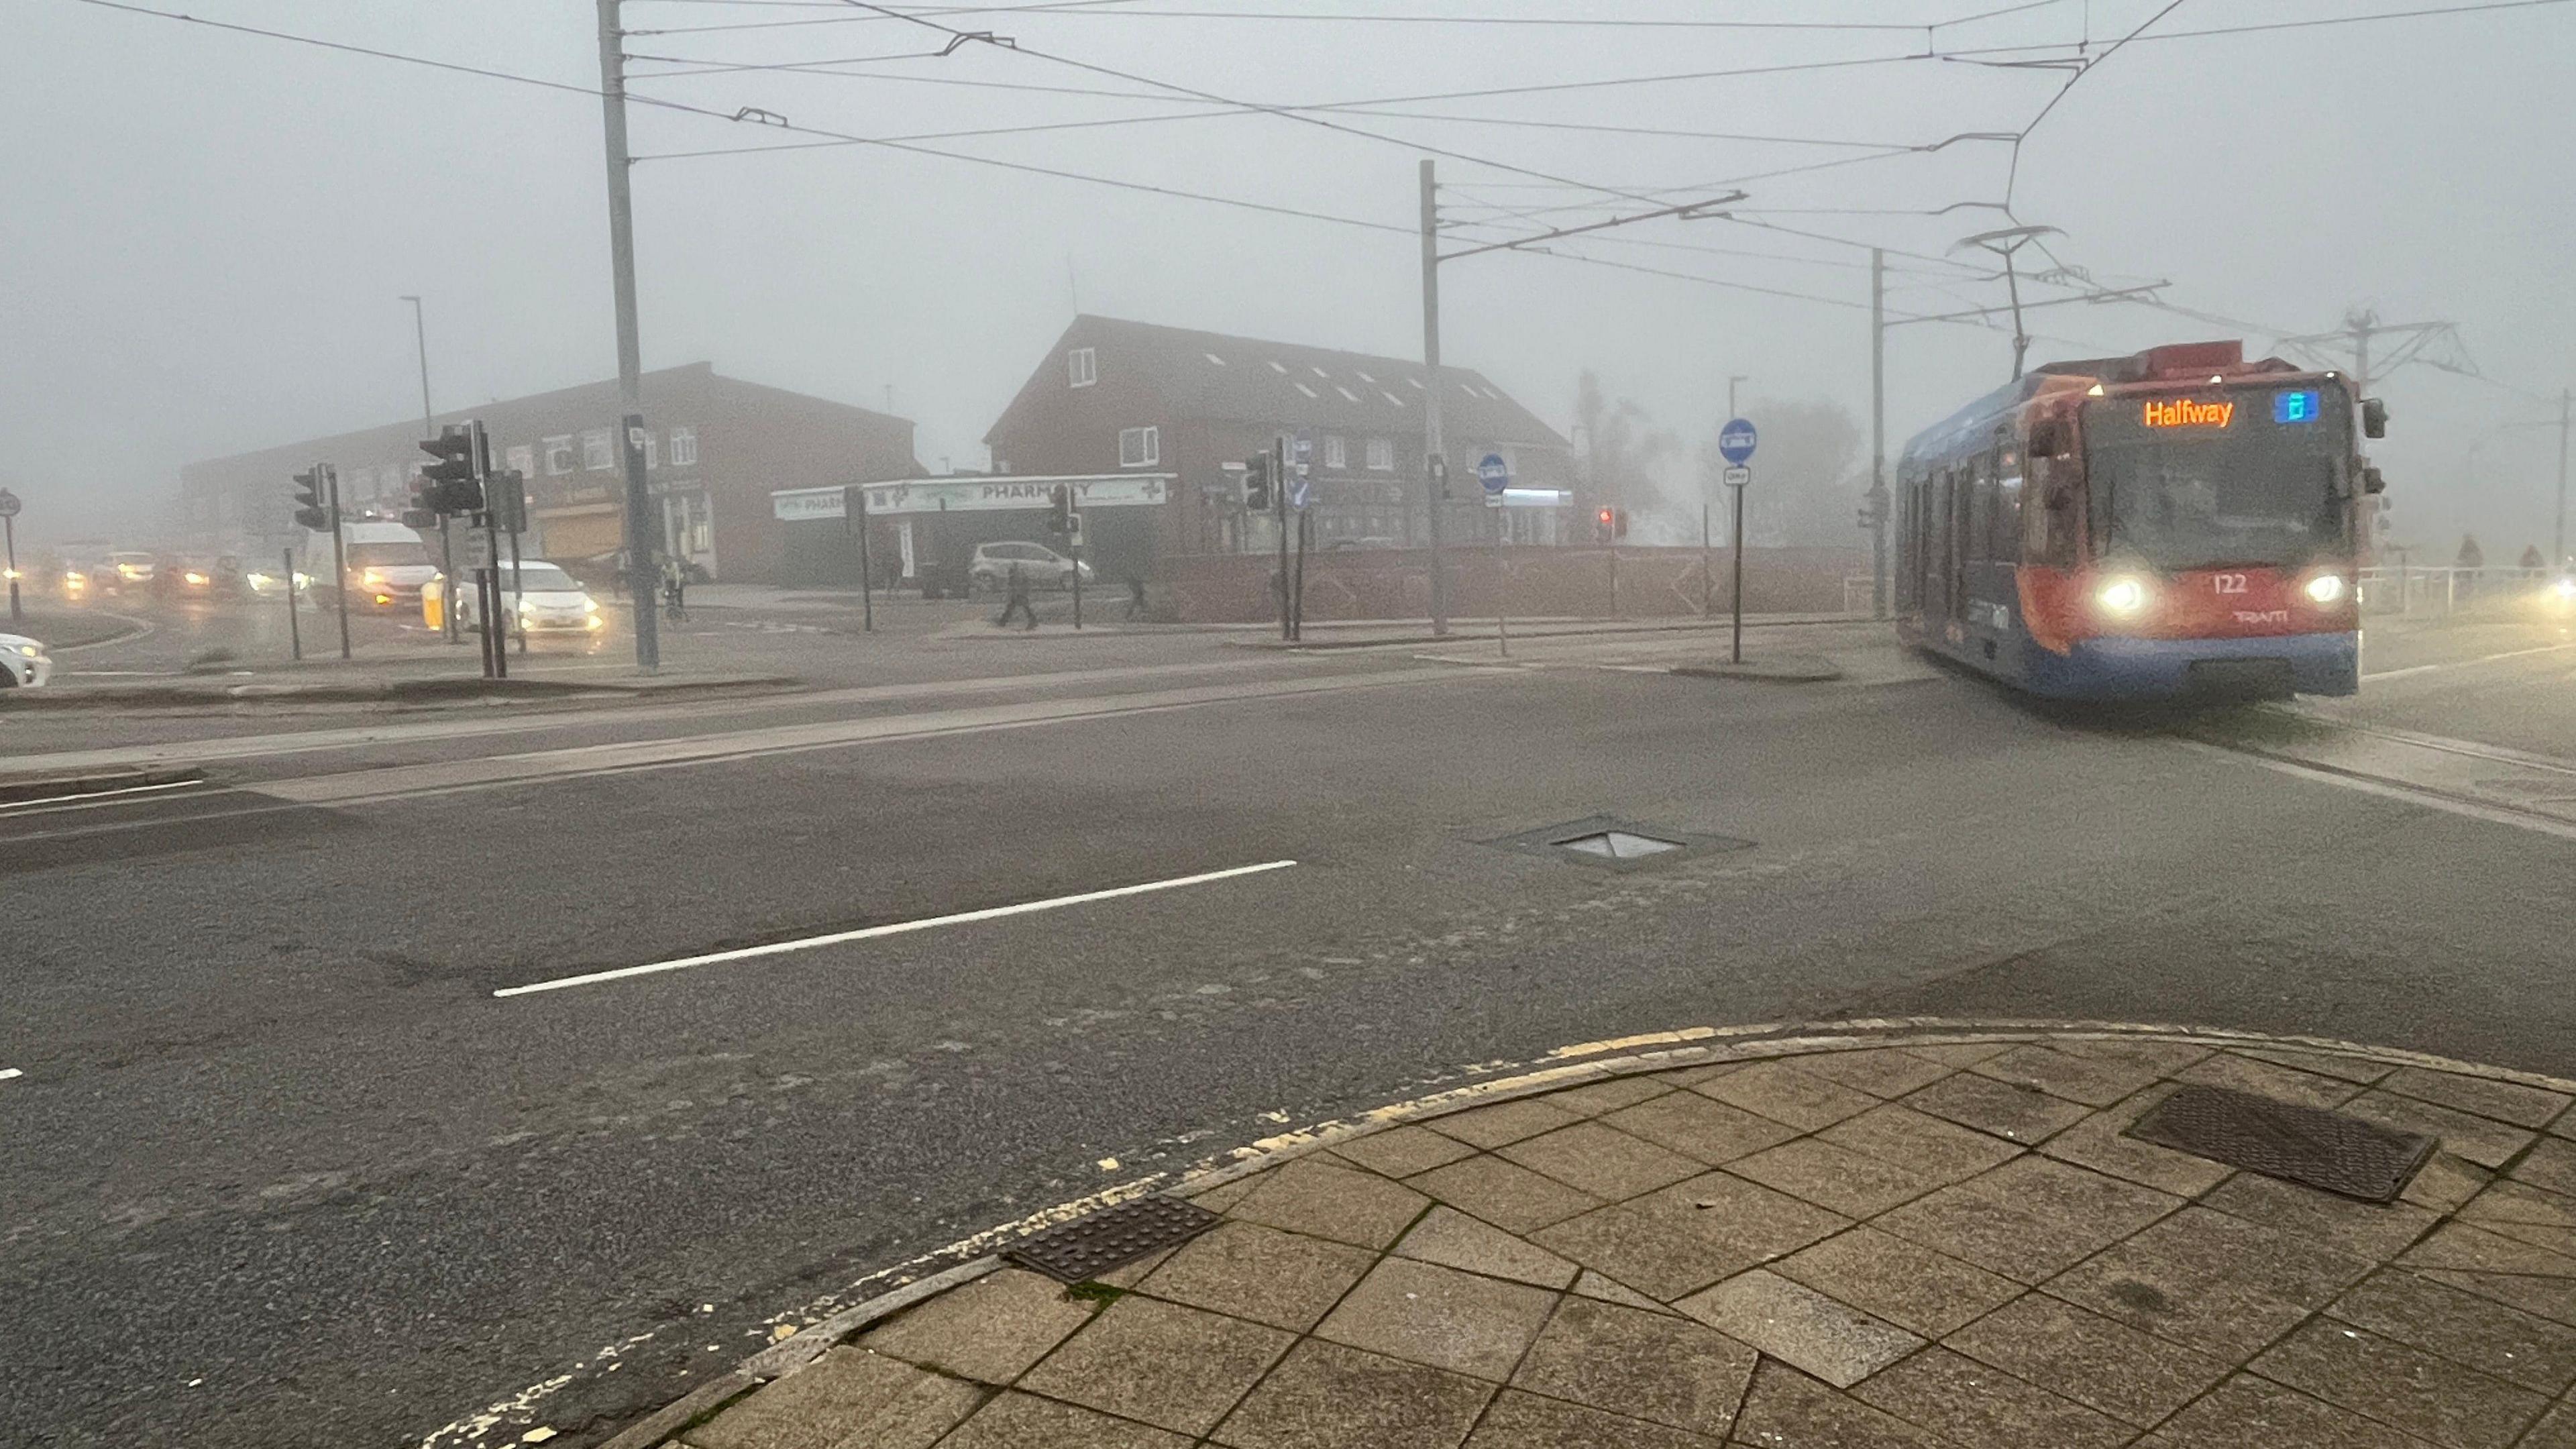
(1256, 483)
(453, 483)
(312, 500)
(1618, 523)
(1059, 510)
(1604, 524)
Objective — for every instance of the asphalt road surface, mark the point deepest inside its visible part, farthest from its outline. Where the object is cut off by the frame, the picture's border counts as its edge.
(283, 1168)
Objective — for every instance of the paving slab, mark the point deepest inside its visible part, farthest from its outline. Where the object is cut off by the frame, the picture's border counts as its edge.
(1645, 1365)
(1922, 1244)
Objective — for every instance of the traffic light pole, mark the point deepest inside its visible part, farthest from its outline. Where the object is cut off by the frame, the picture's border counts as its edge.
(641, 533)
(339, 562)
(1279, 513)
(294, 626)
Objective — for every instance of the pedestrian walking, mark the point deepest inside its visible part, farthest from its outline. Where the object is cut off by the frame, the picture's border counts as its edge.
(675, 588)
(1019, 602)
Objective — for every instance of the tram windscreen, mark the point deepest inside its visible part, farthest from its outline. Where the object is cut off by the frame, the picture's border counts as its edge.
(2219, 477)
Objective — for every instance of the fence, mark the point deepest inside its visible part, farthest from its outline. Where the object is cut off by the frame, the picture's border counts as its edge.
(1534, 581)
(2404, 590)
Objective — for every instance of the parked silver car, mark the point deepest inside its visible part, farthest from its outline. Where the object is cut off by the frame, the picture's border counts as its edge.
(1043, 567)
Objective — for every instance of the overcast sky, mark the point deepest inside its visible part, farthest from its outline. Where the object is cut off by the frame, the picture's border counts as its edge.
(207, 232)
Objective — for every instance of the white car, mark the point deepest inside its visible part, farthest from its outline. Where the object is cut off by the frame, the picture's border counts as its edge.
(544, 599)
(1040, 567)
(24, 664)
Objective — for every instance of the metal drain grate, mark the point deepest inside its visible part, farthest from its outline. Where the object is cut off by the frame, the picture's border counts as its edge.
(1620, 845)
(1093, 1244)
(1614, 844)
(2306, 1145)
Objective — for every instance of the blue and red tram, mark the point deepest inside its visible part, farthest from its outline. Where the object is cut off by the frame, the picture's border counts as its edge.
(2176, 523)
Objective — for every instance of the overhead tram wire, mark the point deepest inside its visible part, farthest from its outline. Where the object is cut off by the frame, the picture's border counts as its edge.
(1132, 78)
(681, 107)
(1099, 9)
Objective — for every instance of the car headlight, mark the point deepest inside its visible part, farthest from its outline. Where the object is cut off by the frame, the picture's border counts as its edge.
(302, 579)
(256, 581)
(596, 622)
(32, 651)
(2124, 597)
(2325, 588)
(196, 578)
(371, 578)
(589, 605)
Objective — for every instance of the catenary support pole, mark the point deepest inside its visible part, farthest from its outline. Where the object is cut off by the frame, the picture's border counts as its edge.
(1878, 500)
(642, 535)
(1433, 480)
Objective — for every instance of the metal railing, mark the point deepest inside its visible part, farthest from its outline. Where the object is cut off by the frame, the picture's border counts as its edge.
(1857, 594)
(2407, 590)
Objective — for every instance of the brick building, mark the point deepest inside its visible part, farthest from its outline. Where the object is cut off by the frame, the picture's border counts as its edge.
(1116, 396)
(715, 449)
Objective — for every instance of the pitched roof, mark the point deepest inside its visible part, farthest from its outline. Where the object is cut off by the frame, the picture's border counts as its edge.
(1245, 379)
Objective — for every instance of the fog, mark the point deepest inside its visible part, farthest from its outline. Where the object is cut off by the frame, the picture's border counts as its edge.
(208, 232)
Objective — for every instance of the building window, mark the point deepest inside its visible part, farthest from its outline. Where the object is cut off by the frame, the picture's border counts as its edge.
(1139, 447)
(652, 449)
(1335, 456)
(523, 460)
(558, 456)
(684, 447)
(596, 453)
(1082, 367)
(1381, 454)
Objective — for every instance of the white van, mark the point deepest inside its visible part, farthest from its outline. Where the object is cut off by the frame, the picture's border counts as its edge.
(387, 565)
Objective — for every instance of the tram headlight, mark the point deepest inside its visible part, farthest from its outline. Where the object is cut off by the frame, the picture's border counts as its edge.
(2123, 598)
(2326, 588)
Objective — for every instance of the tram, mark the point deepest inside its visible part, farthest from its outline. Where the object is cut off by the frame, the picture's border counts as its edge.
(2176, 524)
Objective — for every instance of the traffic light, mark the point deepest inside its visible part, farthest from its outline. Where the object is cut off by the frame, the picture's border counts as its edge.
(1603, 524)
(452, 482)
(1618, 523)
(313, 501)
(507, 494)
(1059, 510)
(1256, 483)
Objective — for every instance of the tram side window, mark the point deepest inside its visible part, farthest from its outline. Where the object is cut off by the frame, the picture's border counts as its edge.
(1978, 516)
(2006, 531)
(2048, 534)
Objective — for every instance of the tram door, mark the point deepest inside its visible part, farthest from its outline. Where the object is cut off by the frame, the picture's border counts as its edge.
(1995, 538)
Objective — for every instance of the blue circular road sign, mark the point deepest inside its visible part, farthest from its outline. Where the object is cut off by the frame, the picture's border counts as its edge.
(1735, 441)
(1494, 473)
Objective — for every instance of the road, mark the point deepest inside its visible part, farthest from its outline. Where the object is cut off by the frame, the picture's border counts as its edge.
(282, 1168)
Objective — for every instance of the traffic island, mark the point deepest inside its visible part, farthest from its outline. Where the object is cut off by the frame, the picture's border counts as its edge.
(1777, 669)
(1958, 1236)
(214, 691)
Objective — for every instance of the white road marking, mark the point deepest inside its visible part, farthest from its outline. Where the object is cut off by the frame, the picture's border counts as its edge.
(2465, 663)
(89, 795)
(7, 1072)
(897, 928)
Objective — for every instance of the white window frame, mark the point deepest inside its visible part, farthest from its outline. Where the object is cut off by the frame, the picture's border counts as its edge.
(1336, 453)
(652, 449)
(598, 450)
(1381, 455)
(560, 456)
(1140, 447)
(684, 447)
(522, 459)
(1082, 367)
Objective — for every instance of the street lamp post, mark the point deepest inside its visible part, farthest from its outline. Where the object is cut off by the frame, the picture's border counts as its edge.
(429, 428)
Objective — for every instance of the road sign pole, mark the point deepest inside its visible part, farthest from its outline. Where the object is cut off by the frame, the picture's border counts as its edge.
(294, 628)
(857, 505)
(10, 519)
(1735, 549)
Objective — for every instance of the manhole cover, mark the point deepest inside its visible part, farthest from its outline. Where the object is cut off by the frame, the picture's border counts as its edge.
(1092, 1245)
(1613, 843)
(2307, 1145)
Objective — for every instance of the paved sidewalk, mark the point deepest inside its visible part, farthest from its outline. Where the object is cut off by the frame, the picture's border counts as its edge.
(1831, 1244)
